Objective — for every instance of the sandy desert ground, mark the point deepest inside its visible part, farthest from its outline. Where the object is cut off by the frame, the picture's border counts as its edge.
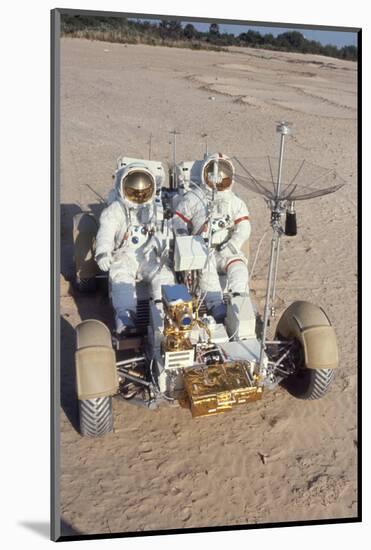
(162, 469)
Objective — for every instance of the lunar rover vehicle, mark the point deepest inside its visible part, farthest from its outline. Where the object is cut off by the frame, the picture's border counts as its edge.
(178, 354)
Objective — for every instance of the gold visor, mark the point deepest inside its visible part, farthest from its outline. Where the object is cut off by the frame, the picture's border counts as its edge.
(222, 178)
(138, 187)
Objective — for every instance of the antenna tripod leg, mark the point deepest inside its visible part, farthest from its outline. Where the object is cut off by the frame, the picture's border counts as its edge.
(272, 263)
(276, 258)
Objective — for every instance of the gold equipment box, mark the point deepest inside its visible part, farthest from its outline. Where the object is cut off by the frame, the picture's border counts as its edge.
(218, 388)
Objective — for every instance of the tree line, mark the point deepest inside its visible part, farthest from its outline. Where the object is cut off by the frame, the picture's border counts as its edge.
(172, 33)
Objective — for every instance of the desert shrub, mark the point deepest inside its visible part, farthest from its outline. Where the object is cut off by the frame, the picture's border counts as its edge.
(171, 33)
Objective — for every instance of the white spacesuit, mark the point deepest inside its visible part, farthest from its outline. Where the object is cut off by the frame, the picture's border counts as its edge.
(132, 241)
(211, 209)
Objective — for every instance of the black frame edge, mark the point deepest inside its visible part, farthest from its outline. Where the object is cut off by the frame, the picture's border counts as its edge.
(55, 530)
(67, 11)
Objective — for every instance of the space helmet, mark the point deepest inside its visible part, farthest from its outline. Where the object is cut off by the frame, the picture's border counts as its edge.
(137, 185)
(218, 172)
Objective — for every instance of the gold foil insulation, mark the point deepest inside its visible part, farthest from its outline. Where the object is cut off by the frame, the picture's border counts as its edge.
(218, 388)
(175, 331)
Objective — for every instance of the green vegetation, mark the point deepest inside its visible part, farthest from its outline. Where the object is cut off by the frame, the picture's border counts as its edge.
(171, 33)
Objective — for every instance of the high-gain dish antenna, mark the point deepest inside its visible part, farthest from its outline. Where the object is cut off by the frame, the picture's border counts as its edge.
(282, 183)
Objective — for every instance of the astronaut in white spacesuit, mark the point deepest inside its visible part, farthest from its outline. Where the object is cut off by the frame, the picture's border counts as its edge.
(211, 209)
(131, 241)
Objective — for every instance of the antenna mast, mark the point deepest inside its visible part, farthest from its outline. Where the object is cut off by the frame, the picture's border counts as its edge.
(277, 209)
(293, 182)
(204, 135)
(174, 133)
(150, 146)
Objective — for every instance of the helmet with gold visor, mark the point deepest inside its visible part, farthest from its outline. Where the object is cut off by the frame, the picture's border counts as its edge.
(138, 186)
(218, 173)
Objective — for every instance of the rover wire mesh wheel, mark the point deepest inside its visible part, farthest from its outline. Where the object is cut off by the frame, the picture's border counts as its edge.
(317, 351)
(96, 417)
(309, 383)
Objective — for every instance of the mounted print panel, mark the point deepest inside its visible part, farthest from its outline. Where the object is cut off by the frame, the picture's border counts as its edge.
(205, 185)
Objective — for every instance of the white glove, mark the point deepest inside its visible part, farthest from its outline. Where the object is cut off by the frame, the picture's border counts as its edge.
(104, 261)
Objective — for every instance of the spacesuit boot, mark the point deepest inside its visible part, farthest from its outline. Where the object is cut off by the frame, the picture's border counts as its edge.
(219, 311)
(124, 323)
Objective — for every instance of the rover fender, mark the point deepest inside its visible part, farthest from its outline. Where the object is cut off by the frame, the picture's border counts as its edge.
(310, 325)
(96, 374)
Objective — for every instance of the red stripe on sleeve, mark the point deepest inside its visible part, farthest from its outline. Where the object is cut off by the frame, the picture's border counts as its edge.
(241, 219)
(182, 217)
(232, 262)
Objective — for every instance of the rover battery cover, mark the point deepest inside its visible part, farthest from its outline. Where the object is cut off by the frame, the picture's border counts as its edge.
(218, 388)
